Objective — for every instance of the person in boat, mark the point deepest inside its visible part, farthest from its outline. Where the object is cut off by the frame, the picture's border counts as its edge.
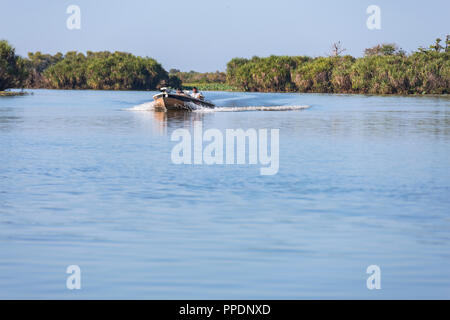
(181, 92)
(195, 94)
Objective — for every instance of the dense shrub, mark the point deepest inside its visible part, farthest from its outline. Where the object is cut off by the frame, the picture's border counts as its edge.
(12, 67)
(105, 70)
(198, 77)
(36, 64)
(315, 75)
(263, 74)
(341, 79)
(429, 72)
(385, 69)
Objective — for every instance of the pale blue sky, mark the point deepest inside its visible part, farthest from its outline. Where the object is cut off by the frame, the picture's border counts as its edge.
(204, 35)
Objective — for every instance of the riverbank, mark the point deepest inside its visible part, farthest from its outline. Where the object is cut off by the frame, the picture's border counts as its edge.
(210, 87)
(12, 93)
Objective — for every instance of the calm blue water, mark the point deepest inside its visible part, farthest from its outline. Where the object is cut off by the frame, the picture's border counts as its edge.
(86, 181)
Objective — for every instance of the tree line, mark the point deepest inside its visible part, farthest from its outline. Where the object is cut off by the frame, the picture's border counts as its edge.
(12, 67)
(204, 81)
(384, 69)
(74, 70)
(199, 77)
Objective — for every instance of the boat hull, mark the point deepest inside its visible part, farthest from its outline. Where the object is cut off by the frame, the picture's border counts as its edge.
(174, 102)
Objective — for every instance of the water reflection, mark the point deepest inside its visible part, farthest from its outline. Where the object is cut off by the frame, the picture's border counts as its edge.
(9, 119)
(164, 121)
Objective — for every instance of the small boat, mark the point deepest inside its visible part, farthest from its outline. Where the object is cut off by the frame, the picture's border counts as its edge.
(168, 101)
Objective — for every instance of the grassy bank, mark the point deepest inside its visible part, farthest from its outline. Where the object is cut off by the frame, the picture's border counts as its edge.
(210, 86)
(204, 81)
(12, 93)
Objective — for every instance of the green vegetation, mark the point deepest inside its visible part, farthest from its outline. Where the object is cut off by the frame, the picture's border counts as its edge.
(105, 70)
(209, 86)
(262, 74)
(12, 67)
(385, 69)
(12, 93)
(208, 81)
(36, 64)
(74, 70)
(197, 77)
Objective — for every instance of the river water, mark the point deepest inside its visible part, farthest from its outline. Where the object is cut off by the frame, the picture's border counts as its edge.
(87, 179)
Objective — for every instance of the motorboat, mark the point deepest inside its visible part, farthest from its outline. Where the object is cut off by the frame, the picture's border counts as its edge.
(167, 100)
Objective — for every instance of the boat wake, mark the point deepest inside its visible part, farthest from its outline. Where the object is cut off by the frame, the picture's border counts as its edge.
(250, 108)
(150, 106)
